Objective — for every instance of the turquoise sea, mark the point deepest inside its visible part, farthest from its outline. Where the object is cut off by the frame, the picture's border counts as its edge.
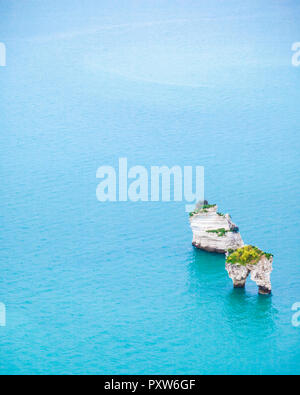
(117, 288)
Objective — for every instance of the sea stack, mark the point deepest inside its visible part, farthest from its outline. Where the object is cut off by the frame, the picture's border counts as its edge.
(250, 260)
(214, 231)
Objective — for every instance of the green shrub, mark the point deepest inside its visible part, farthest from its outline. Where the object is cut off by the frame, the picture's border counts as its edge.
(198, 211)
(268, 256)
(220, 232)
(248, 255)
(208, 206)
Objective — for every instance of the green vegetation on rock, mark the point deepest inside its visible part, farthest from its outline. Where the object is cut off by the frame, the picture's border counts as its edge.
(268, 255)
(202, 209)
(248, 255)
(197, 211)
(206, 206)
(220, 232)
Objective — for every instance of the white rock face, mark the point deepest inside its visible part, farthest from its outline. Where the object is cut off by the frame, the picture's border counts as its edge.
(210, 220)
(238, 274)
(260, 273)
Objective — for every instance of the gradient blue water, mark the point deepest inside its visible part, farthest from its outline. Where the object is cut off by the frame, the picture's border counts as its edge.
(118, 288)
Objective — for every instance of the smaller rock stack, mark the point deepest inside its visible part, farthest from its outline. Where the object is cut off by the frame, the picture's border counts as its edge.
(250, 260)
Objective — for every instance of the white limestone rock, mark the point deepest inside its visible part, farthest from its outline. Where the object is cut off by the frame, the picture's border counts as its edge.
(238, 274)
(209, 220)
(260, 274)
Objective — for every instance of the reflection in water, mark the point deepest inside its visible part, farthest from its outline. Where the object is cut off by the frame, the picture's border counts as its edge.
(240, 306)
(210, 283)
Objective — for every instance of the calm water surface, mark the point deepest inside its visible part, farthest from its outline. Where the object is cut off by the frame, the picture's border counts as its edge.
(118, 288)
